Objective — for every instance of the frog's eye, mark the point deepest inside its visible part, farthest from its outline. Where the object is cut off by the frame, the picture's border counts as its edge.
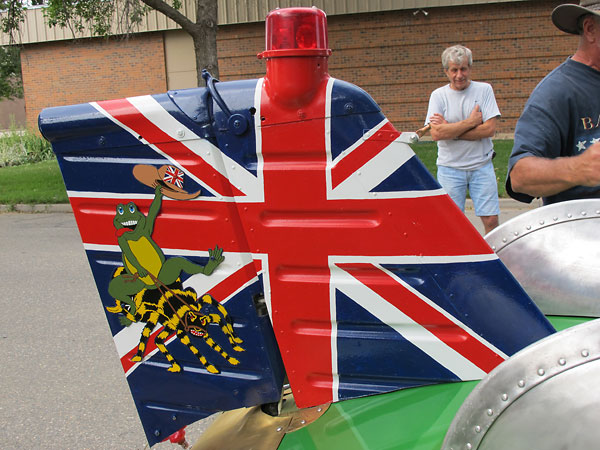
(120, 209)
(131, 208)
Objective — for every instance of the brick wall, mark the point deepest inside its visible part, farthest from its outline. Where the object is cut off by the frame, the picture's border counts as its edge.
(395, 56)
(71, 72)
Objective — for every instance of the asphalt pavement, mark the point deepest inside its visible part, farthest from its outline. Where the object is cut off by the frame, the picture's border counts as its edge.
(61, 382)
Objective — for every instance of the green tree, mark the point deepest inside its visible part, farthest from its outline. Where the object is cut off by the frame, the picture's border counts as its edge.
(11, 85)
(105, 17)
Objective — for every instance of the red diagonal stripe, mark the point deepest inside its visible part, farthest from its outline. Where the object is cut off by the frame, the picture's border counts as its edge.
(352, 162)
(233, 282)
(123, 111)
(430, 318)
(126, 361)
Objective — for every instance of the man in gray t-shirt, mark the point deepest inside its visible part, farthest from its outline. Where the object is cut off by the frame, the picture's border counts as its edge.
(463, 117)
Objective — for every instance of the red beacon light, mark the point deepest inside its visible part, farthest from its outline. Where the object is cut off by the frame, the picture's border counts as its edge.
(296, 53)
(296, 32)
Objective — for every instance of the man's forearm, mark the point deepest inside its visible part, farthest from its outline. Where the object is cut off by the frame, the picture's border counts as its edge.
(542, 177)
(486, 130)
(448, 131)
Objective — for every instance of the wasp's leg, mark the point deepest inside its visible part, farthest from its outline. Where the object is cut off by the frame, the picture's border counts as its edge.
(227, 329)
(150, 324)
(217, 348)
(160, 344)
(226, 324)
(185, 339)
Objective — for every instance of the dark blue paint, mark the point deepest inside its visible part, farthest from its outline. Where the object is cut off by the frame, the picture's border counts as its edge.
(374, 358)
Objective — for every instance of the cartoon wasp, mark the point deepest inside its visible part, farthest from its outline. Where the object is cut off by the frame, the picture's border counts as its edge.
(149, 283)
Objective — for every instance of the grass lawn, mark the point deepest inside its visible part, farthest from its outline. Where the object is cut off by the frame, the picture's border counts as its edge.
(41, 183)
(35, 183)
(427, 153)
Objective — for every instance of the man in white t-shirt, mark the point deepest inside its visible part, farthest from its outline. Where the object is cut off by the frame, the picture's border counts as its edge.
(463, 116)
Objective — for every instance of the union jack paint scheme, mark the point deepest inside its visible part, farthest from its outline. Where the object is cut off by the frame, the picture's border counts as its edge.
(173, 176)
(372, 278)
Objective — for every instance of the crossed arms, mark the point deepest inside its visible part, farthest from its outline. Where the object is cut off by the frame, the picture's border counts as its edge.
(472, 128)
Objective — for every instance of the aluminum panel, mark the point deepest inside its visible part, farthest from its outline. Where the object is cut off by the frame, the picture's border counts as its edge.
(553, 251)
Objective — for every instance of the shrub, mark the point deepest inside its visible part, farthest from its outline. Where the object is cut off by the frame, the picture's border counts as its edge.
(19, 146)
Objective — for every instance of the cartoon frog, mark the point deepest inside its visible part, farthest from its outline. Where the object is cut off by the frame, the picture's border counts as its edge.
(144, 261)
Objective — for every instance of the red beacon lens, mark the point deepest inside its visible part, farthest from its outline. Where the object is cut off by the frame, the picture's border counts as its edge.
(305, 36)
(290, 30)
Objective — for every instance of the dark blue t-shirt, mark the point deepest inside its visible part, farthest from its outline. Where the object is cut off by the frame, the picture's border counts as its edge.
(561, 118)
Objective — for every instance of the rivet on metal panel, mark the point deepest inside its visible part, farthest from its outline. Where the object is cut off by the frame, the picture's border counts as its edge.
(562, 361)
(521, 383)
(542, 222)
(541, 372)
(585, 353)
(583, 213)
(477, 429)
(490, 412)
(504, 397)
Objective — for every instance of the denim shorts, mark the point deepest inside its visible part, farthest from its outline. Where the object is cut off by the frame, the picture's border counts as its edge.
(480, 182)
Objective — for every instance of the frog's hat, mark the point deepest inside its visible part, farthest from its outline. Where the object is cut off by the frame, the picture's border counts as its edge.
(169, 177)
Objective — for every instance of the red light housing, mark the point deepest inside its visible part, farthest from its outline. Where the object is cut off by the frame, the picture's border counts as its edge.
(296, 32)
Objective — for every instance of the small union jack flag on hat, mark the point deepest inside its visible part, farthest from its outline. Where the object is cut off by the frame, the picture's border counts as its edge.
(173, 176)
